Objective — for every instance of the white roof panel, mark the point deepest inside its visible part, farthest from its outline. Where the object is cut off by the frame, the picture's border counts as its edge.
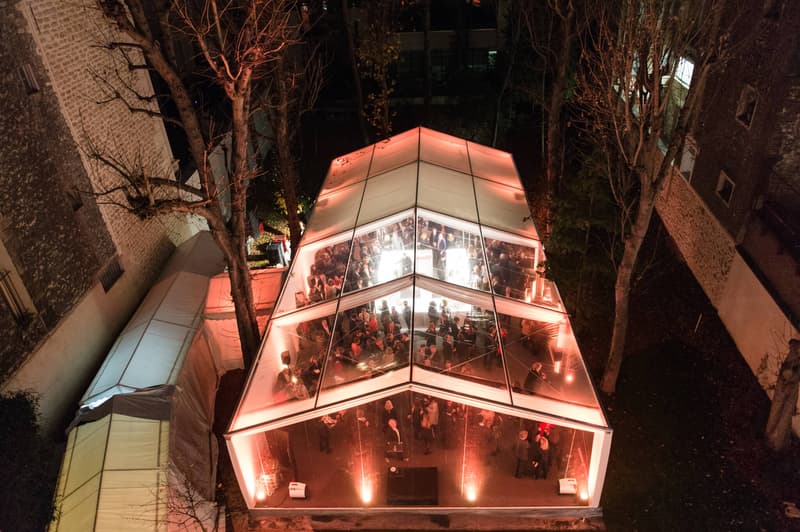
(389, 193)
(395, 151)
(494, 165)
(446, 191)
(334, 213)
(504, 207)
(348, 169)
(443, 150)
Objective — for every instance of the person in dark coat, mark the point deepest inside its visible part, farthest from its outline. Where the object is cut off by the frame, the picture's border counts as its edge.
(522, 454)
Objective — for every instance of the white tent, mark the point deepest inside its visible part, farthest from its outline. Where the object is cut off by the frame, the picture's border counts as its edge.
(150, 349)
(442, 225)
(141, 454)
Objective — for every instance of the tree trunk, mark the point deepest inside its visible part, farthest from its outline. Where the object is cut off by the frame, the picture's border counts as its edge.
(622, 288)
(554, 116)
(784, 400)
(286, 166)
(427, 55)
(359, 92)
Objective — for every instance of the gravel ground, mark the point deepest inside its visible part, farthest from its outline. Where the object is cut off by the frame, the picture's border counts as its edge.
(688, 418)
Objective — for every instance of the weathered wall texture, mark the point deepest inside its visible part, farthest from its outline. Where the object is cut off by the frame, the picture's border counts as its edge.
(58, 237)
(703, 242)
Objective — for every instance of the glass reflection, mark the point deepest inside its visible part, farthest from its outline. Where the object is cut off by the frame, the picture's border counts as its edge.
(457, 338)
(537, 365)
(450, 254)
(381, 255)
(512, 268)
(411, 449)
(291, 362)
(317, 275)
(370, 340)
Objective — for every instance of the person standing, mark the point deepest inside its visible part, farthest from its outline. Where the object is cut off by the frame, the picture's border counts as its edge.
(544, 453)
(432, 409)
(426, 432)
(522, 452)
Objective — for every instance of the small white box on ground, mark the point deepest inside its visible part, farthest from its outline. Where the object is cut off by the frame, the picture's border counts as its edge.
(567, 486)
(297, 490)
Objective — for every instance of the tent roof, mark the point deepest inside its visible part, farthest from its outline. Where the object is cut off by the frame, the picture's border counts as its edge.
(388, 203)
(149, 350)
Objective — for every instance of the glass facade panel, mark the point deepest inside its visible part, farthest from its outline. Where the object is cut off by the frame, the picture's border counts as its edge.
(395, 151)
(317, 274)
(387, 193)
(413, 449)
(291, 360)
(458, 337)
(371, 337)
(512, 269)
(446, 191)
(504, 208)
(443, 150)
(347, 169)
(450, 250)
(542, 356)
(334, 213)
(381, 253)
(494, 165)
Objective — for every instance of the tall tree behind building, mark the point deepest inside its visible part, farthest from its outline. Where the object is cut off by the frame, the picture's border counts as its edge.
(628, 69)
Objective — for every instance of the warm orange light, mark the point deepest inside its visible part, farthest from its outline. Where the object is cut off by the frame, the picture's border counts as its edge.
(472, 493)
(261, 494)
(569, 377)
(584, 495)
(557, 367)
(366, 492)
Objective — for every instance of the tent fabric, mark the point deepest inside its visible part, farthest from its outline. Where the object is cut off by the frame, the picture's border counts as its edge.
(147, 447)
(150, 348)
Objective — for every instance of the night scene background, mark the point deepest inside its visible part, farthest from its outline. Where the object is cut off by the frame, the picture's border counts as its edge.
(670, 210)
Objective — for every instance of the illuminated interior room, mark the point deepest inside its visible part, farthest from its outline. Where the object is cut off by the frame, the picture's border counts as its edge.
(417, 355)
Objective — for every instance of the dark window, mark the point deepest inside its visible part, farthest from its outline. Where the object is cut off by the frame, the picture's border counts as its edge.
(29, 80)
(110, 274)
(747, 106)
(687, 159)
(74, 196)
(725, 187)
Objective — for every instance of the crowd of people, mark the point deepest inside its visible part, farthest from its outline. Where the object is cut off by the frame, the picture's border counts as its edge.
(428, 424)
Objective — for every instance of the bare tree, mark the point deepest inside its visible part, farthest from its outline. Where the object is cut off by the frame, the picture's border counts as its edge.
(784, 399)
(291, 90)
(556, 51)
(628, 70)
(378, 51)
(349, 24)
(237, 42)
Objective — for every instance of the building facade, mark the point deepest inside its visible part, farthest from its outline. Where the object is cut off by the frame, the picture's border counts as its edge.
(732, 203)
(73, 266)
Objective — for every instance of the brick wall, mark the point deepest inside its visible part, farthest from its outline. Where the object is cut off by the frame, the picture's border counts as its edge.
(70, 36)
(58, 237)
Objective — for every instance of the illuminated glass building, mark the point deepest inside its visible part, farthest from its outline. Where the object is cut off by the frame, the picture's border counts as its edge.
(418, 295)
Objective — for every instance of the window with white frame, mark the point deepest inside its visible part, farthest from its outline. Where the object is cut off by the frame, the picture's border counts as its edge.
(13, 292)
(725, 188)
(684, 72)
(688, 157)
(746, 108)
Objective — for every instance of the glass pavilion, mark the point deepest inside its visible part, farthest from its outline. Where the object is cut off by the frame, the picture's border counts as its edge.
(417, 295)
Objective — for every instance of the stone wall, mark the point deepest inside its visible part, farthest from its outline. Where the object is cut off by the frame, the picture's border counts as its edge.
(705, 245)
